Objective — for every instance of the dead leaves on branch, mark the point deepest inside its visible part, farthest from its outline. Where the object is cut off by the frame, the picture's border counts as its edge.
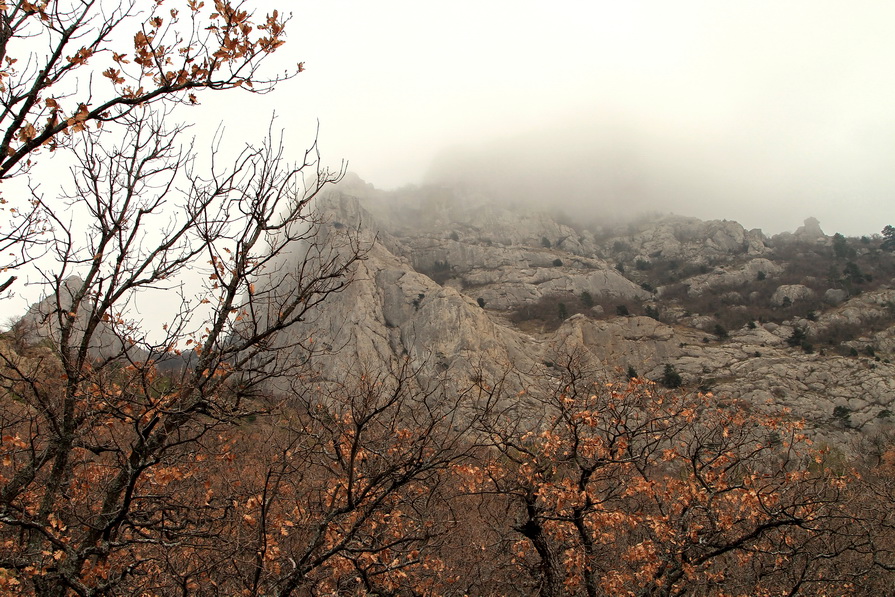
(172, 55)
(627, 490)
(370, 487)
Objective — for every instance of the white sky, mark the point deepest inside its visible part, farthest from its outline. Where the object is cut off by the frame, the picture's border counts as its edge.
(761, 111)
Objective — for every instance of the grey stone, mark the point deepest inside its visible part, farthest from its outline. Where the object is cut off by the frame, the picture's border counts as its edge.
(835, 296)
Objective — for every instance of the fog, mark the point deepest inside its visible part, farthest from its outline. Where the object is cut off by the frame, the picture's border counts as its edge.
(765, 112)
(627, 166)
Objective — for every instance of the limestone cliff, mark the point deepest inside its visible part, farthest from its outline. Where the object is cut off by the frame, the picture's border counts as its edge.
(449, 274)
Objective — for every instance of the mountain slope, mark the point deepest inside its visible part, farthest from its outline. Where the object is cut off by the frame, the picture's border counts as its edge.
(468, 289)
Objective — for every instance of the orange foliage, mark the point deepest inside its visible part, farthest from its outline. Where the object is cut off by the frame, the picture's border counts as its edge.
(169, 57)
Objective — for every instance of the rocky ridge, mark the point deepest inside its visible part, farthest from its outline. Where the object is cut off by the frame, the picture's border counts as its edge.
(449, 275)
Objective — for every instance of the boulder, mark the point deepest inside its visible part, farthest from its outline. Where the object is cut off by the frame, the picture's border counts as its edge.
(790, 293)
(733, 275)
(835, 296)
(810, 230)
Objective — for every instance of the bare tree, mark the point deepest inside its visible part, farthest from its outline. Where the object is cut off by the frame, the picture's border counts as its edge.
(68, 64)
(92, 423)
(353, 489)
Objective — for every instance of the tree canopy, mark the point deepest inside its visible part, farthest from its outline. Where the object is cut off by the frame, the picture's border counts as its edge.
(888, 243)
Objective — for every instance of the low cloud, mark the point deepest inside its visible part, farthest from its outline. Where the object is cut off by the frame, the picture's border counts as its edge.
(770, 177)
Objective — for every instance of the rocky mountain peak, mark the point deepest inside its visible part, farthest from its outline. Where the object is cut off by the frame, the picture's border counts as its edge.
(465, 286)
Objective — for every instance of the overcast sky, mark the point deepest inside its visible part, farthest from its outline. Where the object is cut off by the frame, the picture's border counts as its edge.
(764, 112)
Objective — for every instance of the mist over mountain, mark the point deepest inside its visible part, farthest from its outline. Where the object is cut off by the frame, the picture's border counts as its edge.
(619, 166)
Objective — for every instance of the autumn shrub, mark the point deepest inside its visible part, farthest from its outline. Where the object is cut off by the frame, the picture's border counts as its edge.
(632, 490)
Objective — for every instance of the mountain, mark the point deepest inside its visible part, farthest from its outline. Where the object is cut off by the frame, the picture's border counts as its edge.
(470, 290)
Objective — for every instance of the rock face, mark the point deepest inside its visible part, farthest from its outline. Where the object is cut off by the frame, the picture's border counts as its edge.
(390, 313)
(506, 258)
(810, 230)
(437, 286)
(43, 321)
(689, 239)
(790, 293)
(619, 343)
(733, 275)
